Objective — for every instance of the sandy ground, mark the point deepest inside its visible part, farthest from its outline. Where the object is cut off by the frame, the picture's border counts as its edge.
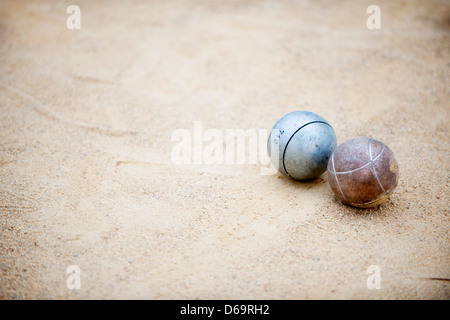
(87, 178)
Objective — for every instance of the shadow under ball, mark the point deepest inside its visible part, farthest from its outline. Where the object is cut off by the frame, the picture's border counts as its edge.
(363, 172)
(304, 142)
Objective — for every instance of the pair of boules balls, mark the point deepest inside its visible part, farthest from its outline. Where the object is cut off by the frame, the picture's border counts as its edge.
(362, 171)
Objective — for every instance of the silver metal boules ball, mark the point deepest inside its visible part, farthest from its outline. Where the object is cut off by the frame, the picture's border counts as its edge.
(300, 144)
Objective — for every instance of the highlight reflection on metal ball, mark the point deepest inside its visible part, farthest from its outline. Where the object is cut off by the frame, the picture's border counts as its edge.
(300, 144)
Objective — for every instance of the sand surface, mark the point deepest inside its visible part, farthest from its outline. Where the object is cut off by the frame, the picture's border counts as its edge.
(87, 177)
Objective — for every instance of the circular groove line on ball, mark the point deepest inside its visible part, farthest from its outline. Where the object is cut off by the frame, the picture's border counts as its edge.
(287, 143)
(373, 165)
(367, 203)
(335, 176)
(367, 164)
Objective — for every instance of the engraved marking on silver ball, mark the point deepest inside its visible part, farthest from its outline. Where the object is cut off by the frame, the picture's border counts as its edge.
(287, 143)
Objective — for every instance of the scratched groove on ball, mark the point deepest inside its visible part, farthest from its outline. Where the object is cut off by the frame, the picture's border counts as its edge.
(363, 172)
(304, 141)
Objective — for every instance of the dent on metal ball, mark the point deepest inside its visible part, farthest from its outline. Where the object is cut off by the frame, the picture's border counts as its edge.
(300, 144)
